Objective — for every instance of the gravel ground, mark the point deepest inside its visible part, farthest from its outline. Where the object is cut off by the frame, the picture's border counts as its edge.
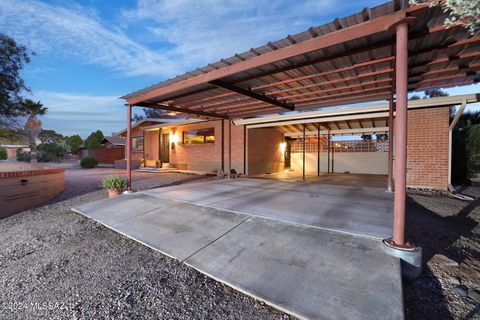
(448, 230)
(56, 264)
(80, 181)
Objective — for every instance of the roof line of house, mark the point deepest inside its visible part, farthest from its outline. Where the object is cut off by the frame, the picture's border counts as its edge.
(311, 115)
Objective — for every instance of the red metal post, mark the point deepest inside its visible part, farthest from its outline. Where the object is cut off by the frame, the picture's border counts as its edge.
(304, 146)
(128, 144)
(390, 145)
(401, 76)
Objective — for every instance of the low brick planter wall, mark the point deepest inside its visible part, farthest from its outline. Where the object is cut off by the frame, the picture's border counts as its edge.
(24, 186)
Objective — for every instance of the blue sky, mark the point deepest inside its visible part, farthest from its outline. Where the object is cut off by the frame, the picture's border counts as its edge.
(89, 53)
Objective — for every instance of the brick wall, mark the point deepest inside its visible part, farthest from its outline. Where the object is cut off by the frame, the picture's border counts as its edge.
(427, 145)
(264, 154)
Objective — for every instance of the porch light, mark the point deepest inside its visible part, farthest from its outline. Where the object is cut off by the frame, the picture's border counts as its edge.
(283, 146)
(173, 138)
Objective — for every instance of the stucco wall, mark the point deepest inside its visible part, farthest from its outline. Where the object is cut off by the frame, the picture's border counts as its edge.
(354, 162)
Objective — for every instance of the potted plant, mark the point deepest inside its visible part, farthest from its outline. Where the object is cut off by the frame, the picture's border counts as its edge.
(114, 185)
(158, 164)
(142, 163)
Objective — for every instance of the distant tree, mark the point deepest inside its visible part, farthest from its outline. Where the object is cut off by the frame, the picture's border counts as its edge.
(466, 147)
(3, 153)
(13, 57)
(434, 93)
(48, 136)
(153, 113)
(52, 151)
(33, 126)
(74, 143)
(466, 12)
(431, 93)
(366, 137)
(94, 140)
(381, 136)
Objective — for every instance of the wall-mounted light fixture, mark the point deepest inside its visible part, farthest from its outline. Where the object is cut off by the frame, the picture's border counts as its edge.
(173, 140)
(283, 146)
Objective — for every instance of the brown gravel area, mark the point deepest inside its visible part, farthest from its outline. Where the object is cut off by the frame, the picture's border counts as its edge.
(448, 230)
(56, 264)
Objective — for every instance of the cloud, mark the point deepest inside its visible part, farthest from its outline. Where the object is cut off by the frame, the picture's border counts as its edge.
(73, 30)
(72, 113)
(202, 32)
(161, 37)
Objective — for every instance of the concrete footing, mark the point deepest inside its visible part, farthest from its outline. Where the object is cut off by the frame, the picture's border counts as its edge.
(411, 259)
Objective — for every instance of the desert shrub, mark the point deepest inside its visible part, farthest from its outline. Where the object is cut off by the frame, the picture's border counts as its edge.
(3, 153)
(89, 162)
(114, 183)
(47, 152)
(23, 155)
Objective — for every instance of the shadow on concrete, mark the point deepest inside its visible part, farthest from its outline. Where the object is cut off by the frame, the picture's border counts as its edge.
(436, 234)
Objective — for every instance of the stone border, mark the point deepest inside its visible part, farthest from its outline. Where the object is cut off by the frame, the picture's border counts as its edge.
(28, 172)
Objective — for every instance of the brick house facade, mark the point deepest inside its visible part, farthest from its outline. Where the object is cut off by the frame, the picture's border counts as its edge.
(260, 147)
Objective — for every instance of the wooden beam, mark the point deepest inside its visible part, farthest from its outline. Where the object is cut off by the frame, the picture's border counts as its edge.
(251, 94)
(182, 110)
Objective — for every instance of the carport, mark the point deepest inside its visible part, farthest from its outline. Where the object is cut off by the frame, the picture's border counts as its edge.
(377, 54)
(322, 146)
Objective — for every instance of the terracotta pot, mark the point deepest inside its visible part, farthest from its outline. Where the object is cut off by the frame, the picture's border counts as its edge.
(158, 165)
(114, 193)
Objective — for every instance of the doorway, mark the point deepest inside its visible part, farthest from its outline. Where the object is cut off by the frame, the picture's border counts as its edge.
(164, 148)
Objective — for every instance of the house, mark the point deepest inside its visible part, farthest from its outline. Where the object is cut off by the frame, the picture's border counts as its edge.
(275, 144)
(13, 143)
(296, 109)
(12, 149)
(113, 148)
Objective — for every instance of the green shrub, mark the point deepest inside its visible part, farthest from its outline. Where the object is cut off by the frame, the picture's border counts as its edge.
(89, 162)
(52, 151)
(23, 155)
(3, 153)
(114, 183)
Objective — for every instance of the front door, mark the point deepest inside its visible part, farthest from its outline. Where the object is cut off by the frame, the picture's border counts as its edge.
(164, 148)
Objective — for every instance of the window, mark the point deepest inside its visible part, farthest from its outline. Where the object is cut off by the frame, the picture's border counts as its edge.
(199, 136)
(137, 143)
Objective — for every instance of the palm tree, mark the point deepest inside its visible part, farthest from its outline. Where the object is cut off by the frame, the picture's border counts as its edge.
(33, 126)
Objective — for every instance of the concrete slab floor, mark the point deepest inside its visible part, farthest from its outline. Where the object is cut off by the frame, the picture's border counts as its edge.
(365, 211)
(305, 271)
(177, 231)
(310, 273)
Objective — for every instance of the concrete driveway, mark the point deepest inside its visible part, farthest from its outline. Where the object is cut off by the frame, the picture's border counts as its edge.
(359, 210)
(304, 270)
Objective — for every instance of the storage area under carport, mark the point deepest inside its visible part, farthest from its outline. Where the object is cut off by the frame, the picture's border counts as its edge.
(340, 142)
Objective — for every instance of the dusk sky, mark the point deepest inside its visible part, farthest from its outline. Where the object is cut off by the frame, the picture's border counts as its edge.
(89, 53)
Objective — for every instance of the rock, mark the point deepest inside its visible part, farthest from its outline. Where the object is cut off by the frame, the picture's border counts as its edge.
(461, 290)
(454, 280)
(444, 260)
(474, 295)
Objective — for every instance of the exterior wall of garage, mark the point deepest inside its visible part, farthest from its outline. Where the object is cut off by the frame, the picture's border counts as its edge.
(427, 149)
